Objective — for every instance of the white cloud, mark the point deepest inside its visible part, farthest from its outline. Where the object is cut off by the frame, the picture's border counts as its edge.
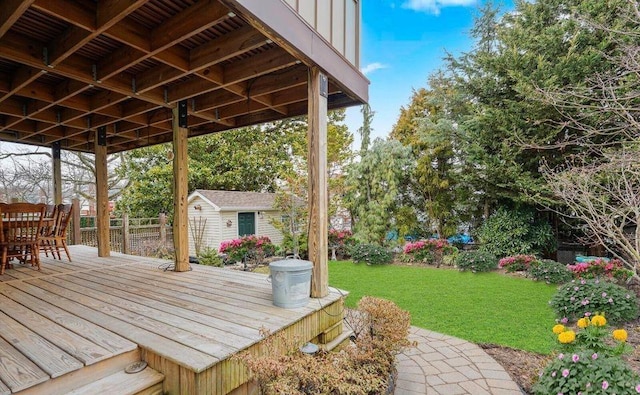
(434, 6)
(371, 67)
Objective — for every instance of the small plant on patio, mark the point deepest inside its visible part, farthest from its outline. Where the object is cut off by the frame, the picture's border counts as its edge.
(551, 272)
(589, 361)
(476, 261)
(237, 249)
(371, 254)
(579, 297)
(613, 270)
(516, 263)
(364, 367)
(429, 251)
(210, 257)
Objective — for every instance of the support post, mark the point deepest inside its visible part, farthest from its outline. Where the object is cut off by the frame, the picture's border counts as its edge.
(318, 199)
(76, 237)
(57, 173)
(126, 237)
(102, 193)
(180, 173)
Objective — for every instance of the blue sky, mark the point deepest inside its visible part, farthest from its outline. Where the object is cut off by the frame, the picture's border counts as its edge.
(403, 42)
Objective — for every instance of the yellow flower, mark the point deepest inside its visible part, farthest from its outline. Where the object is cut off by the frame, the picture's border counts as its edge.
(558, 329)
(583, 323)
(620, 335)
(598, 320)
(567, 337)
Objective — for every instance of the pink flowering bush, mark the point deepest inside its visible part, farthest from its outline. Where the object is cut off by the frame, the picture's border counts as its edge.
(601, 268)
(516, 263)
(427, 251)
(341, 240)
(237, 249)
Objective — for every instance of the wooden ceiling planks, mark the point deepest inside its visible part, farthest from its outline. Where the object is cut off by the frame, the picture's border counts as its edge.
(68, 67)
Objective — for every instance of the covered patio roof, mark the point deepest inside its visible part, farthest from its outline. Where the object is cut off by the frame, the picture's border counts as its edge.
(71, 67)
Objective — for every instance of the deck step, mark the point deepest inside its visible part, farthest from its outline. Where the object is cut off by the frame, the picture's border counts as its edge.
(147, 381)
(85, 376)
(338, 341)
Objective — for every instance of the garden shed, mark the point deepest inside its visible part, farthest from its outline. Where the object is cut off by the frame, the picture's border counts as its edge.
(225, 215)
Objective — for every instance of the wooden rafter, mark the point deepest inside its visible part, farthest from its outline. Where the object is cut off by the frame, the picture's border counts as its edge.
(123, 64)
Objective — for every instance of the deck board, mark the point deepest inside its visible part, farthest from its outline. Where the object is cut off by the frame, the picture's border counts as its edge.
(42, 352)
(77, 346)
(186, 322)
(108, 340)
(17, 371)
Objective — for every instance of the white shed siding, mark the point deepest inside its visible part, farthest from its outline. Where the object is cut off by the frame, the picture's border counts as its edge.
(229, 232)
(211, 235)
(265, 228)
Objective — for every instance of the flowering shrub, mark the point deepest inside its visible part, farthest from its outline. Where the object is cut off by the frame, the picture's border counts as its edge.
(516, 263)
(427, 251)
(584, 297)
(237, 249)
(371, 254)
(551, 272)
(341, 240)
(601, 268)
(476, 261)
(588, 362)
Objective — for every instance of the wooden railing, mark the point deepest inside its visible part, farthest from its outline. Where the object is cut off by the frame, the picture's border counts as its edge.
(137, 236)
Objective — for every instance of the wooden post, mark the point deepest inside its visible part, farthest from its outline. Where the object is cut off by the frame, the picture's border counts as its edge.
(57, 173)
(318, 204)
(102, 193)
(76, 237)
(180, 173)
(162, 221)
(126, 237)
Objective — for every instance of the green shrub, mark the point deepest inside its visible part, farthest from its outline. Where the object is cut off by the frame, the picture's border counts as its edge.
(549, 271)
(579, 297)
(371, 254)
(587, 372)
(511, 232)
(476, 261)
(209, 256)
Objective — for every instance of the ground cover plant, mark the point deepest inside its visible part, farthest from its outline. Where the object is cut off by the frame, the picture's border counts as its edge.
(482, 307)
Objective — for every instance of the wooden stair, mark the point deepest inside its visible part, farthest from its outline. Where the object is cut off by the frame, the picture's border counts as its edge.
(104, 377)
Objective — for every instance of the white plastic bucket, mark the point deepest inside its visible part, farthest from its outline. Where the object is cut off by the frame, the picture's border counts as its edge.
(291, 282)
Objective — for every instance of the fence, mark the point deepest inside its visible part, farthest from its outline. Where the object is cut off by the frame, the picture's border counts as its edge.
(137, 236)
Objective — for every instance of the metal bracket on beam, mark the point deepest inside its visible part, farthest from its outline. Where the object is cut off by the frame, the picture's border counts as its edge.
(94, 73)
(102, 136)
(58, 117)
(45, 56)
(55, 150)
(133, 85)
(324, 86)
(166, 95)
(182, 113)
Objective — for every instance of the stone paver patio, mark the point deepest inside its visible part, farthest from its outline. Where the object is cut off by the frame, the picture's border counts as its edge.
(445, 365)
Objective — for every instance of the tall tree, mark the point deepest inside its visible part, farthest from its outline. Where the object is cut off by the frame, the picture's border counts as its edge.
(365, 129)
(373, 188)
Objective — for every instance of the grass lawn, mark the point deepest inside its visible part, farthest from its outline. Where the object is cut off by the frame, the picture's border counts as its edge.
(482, 308)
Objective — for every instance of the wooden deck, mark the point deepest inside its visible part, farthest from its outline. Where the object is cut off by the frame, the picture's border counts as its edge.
(70, 316)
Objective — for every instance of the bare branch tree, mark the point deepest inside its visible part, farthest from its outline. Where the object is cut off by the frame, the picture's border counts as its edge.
(605, 196)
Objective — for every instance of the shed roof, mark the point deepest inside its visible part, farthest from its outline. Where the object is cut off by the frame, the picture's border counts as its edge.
(237, 200)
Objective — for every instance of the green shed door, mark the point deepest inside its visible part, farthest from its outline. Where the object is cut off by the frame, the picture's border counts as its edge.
(246, 224)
